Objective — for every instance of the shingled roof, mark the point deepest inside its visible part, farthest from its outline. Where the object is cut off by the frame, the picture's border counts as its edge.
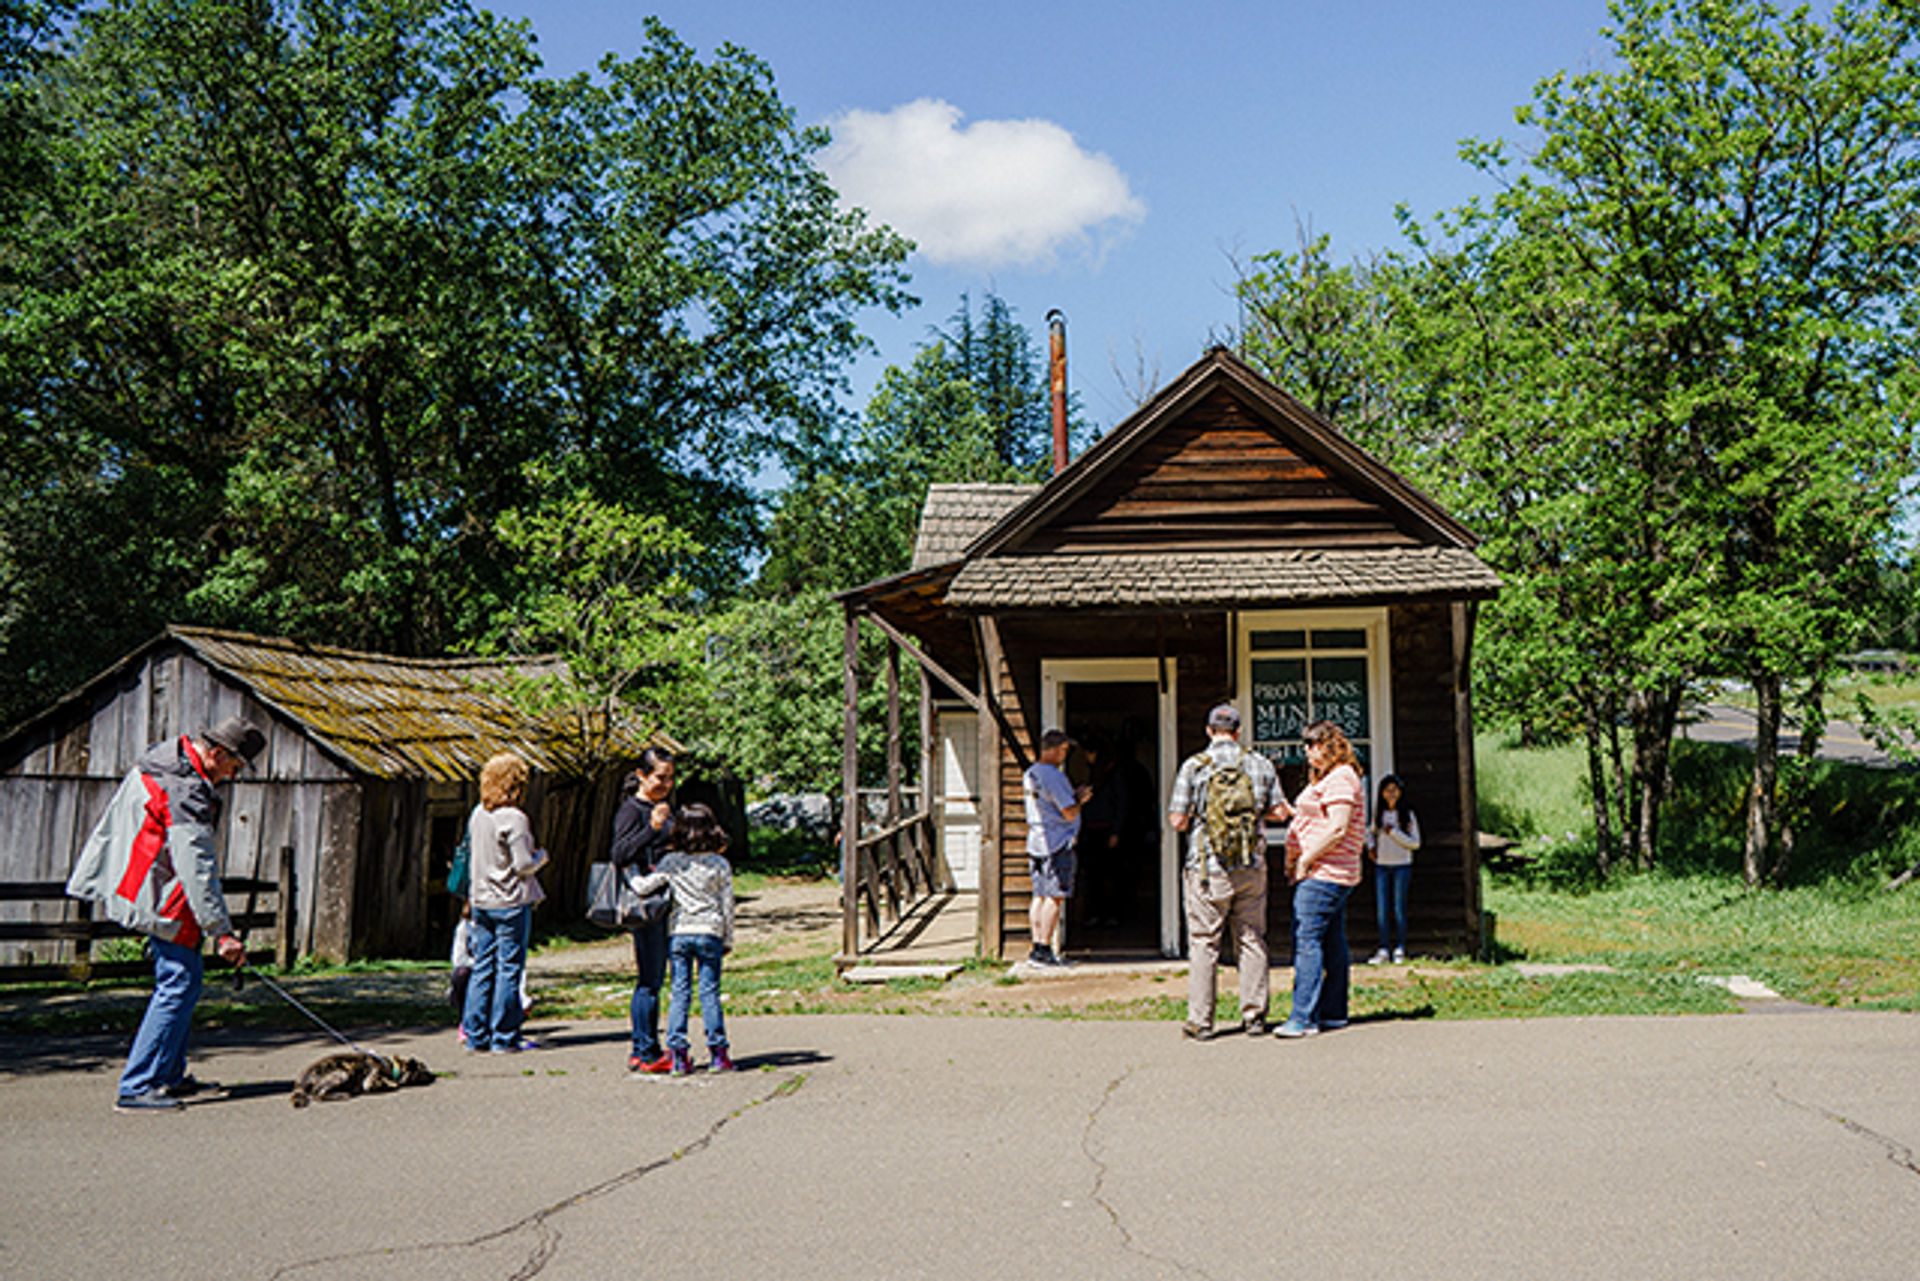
(1219, 579)
(955, 515)
(378, 714)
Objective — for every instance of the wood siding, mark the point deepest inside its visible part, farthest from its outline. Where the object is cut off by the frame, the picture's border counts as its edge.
(1444, 910)
(56, 781)
(1221, 478)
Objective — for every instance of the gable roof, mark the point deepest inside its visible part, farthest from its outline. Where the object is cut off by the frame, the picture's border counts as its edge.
(955, 515)
(1311, 438)
(377, 714)
(1222, 491)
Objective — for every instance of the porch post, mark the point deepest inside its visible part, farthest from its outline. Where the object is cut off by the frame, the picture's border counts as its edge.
(1464, 616)
(932, 789)
(893, 733)
(850, 790)
(992, 940)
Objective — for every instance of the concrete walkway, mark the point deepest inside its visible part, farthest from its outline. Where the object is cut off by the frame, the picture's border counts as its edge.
(876, 1147)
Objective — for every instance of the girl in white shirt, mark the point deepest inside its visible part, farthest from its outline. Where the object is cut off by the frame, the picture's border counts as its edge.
(1394, 837)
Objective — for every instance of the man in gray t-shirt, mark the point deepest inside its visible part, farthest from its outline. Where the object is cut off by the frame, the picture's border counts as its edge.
(1053, 823)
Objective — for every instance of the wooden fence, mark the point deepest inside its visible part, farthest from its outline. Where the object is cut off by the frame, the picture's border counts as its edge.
(897, 866)
(79, 929)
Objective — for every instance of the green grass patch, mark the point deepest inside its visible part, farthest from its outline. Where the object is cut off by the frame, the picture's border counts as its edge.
(1832, 944)
(1532, 793)
(1854, 826)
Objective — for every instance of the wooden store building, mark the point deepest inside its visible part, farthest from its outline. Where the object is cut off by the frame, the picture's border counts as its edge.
(1224, 543)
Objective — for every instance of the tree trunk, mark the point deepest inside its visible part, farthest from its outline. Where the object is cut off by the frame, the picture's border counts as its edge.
(1813, 727)
(1656, 714)
(1766, 774)
(1597, 776)
(1625, 783)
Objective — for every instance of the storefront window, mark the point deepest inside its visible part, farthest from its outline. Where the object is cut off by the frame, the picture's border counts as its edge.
(1298, 677)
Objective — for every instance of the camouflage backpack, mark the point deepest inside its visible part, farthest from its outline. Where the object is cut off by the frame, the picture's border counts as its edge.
(1229, 814)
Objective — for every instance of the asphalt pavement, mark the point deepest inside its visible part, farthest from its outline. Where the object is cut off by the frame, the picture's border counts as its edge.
(1725, 723)
(1744, 1146)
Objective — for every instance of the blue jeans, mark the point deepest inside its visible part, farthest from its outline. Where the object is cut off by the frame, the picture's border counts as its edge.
(159, 1054)
(650, 966)
(1390, 904)
(1321, 966)
(493, 1013)
(686, 951)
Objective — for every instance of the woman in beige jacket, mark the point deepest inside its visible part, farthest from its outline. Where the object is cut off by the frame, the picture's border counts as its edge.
(505, 864)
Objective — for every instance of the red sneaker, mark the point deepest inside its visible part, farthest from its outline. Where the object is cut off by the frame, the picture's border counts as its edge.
(652, 1067)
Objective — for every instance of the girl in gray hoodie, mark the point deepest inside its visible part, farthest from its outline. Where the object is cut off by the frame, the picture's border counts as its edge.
(699, 930)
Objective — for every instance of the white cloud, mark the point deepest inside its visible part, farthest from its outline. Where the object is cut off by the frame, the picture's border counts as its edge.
(993, 193)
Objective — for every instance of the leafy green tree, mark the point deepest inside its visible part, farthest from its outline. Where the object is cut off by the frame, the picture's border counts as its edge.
(1662, 371)
(308, 283)
(1745, 185)
(604, 589)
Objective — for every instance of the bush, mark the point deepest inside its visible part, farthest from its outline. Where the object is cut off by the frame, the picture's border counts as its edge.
(773, 851)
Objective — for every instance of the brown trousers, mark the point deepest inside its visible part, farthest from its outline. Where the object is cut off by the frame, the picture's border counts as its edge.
(1239, 897)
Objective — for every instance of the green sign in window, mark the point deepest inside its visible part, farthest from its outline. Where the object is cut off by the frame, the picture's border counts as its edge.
(1291, 693)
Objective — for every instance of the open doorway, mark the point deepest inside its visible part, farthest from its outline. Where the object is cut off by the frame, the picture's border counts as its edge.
(1115, 728)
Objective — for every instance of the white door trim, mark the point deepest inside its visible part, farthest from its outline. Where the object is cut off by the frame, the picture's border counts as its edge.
(1055, 673)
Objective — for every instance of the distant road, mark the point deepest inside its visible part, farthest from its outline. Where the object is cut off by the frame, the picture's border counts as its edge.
(1723, 723)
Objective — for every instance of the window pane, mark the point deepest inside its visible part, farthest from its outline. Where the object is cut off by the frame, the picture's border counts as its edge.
(1276, 640)
(1340, 638)
(1279, 698)
(1340, 694)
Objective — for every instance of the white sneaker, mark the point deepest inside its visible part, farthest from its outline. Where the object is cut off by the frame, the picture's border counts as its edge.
(1378, 958)
(1399, 955)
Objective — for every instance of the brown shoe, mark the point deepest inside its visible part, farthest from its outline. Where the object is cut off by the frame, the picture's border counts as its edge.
(1194, 1032)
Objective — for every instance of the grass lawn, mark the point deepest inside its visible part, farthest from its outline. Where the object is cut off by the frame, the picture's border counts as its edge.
(1826, 945)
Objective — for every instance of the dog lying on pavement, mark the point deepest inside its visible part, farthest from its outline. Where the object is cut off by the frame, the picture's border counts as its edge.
(343, 1075)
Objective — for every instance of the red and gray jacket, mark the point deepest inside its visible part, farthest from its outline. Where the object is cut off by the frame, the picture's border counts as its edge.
(150, 861)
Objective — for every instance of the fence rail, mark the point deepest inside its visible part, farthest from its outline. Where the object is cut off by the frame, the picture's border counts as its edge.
(81, 929)
(897, 867)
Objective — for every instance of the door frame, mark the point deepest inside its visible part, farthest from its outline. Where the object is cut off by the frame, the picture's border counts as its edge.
(1055, 675)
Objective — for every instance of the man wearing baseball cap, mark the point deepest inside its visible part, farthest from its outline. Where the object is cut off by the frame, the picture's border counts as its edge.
(150, 862)
(1225, 795)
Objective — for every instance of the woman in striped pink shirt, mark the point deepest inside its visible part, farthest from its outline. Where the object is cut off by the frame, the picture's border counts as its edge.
(1324, 844)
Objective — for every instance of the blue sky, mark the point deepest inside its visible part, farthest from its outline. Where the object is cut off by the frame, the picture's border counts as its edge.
(1114, 159)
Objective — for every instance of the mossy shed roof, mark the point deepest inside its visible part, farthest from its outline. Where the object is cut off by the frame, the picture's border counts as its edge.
(380, 715)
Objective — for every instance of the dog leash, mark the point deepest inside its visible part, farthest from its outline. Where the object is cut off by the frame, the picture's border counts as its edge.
(294, 1001)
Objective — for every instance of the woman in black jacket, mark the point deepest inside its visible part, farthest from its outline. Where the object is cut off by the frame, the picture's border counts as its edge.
(641, 827)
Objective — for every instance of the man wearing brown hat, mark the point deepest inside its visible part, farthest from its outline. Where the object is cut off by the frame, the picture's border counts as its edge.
(150, 862)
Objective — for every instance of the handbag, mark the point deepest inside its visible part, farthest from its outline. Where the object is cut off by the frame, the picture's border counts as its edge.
(459, 876)
(613, 903)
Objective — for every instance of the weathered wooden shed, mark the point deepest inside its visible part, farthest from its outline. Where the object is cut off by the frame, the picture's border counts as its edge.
(1224, 543)
(370, 770)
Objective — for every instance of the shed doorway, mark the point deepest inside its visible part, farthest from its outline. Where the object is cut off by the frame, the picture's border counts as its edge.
(1126, 900)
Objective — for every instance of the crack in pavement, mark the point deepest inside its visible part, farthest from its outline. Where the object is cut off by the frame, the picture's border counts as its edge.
(1897, 1152)
(547, 1242)
(1127, 1242)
